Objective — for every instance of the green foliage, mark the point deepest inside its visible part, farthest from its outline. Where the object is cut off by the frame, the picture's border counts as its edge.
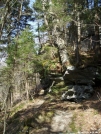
(22, 49)
(16, 109)
(42, 28)
(59, 88)
(38, 5)
(46, 60)
(21, 61)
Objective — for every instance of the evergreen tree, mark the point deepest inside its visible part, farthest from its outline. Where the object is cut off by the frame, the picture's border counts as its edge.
(21, 56)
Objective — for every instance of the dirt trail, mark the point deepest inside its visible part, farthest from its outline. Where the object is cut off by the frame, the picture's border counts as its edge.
(49, 115)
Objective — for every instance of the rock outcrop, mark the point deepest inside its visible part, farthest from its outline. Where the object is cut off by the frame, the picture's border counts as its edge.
(81, 81)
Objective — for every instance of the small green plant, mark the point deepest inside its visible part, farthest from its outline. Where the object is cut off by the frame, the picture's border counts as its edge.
(17, 108)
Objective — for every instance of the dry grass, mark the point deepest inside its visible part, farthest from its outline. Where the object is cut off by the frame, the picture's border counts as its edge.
(86, 119)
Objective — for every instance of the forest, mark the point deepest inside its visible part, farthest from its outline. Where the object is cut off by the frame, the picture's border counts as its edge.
(50, 66)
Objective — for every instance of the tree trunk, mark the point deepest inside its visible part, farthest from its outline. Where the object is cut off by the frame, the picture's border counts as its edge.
(27, 89)
(38, 83)
(97, 37)
(60, 43)
(43, 8)
(78, 27)
(77, 55)
(39, 35)
(100, 34)
(96, 3)
(10, 97)
(5, 115)
(64, 57)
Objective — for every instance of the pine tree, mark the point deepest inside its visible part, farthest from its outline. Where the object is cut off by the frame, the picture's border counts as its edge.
(21, 55)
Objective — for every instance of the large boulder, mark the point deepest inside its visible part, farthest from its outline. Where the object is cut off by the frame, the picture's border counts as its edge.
(83, 76)
(82, 81)
(77, 92)
(60, 121)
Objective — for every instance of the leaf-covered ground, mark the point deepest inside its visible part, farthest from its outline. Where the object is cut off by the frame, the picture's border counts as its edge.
(48, 115)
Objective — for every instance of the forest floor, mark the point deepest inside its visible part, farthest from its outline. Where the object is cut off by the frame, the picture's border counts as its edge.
(49, 115)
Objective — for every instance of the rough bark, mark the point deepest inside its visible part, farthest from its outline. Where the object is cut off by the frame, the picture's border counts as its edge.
(27, 89)
(43, 8)
(38, 83)
(64, 57)
(100, 34)
(77, 55)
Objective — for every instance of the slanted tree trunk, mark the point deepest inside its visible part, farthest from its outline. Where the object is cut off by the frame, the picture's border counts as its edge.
(65, 34)
(64, 57)
(59, 41)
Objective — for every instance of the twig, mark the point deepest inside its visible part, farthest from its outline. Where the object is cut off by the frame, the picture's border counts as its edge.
(51, 86)
(97, 24)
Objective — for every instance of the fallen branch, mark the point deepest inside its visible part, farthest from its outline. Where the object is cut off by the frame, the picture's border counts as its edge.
(51, 87)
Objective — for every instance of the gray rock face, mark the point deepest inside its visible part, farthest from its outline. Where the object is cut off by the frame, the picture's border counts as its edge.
(60, 121)
(78, 92)
(84, 76)
(85, 45)
(82, 81)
